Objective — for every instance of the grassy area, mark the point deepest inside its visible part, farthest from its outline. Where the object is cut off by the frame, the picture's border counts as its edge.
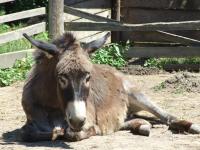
(21, 44)
(112, 54)
(17, 73)
(161, 62)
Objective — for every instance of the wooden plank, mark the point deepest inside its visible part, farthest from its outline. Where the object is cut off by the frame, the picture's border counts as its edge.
(162, 4)
(72, 2)
(179, 39)
(81, 14)
(93, 4)
(72, 18)
(155, 44)
(87, 26)
(163, 52)
(116, 14)
(134, 15)
(138, 16)
(56, 18)
(95, 36)
(5, 1)
(8, 59)
(17, 34)
(153, 36)
(83, 34)
(69, 17)
(23, 14)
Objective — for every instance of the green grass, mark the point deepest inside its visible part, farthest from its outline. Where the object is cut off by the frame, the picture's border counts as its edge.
(21, 44)
(17, 73)
(161, 62)
(2, 11)
(112, 54)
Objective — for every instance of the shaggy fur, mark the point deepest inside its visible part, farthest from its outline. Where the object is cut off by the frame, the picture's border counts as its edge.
(109, 96)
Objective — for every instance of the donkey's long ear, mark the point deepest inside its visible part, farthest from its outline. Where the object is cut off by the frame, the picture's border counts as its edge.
(47, 47)
(94, 45)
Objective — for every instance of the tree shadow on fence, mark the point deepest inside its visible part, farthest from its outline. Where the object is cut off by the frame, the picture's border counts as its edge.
(13, 138)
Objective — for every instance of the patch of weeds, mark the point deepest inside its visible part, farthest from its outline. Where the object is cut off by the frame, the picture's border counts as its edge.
(17, 73)
(2, 11)
(159, 87)
(180, 83)
(21, 44)
(161, 62)
(112, 54)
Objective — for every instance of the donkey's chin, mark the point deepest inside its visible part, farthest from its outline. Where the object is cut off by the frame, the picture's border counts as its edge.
(75, 129)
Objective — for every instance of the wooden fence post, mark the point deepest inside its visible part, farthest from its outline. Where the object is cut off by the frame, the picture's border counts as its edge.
(116, 14)
(56, 18)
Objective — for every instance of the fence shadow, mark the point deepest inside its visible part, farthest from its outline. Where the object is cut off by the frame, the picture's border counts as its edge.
(13, 138)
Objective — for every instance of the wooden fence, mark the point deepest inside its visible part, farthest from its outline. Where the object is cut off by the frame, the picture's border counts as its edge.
(186, 46)
(30, 30)
(98, 7)
(8, 60)
(89, 19)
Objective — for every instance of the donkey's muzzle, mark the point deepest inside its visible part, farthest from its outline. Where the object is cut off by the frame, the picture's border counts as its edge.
(77, 123)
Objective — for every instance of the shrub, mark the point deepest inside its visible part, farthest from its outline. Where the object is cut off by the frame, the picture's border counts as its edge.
(17, 73)
(112, 54)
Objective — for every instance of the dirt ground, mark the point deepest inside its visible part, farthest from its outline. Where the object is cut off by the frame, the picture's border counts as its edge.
(186, 105)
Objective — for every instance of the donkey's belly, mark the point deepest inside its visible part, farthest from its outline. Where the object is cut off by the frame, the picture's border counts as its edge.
(111, 120)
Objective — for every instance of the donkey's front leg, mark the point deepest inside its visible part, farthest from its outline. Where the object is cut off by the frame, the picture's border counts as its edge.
(136, 98)
(78, 136)
(137, 126)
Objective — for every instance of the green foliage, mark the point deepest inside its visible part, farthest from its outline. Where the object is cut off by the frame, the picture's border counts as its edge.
(2, 11)
(112, 54)
(5, 27)
(159, 87)
(153, 62)
(20, 5)
(17, 73)
(21, 44)
(161, 62)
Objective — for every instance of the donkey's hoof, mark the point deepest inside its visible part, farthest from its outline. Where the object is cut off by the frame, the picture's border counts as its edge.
(144, 130)
(57, 131)
(194, 129)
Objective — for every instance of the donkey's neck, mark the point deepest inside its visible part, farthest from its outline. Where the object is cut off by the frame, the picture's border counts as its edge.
(108, 98)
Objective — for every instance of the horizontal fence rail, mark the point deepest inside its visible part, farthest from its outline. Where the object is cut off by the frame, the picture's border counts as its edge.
(82, 14)
(5, 1)
(23, 15)
(179, 39)
(8, 59)
(17, 34)
(111, 26)
(163, 52)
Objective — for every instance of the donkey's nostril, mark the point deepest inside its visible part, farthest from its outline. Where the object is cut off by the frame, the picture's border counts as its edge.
(77, 123)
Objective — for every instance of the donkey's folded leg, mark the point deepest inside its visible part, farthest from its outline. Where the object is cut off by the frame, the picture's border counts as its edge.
(137, 126)
(142, 101)
(183, 125)
(30, 133)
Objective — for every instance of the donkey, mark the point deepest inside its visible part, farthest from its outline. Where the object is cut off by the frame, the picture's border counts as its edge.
(66, 96)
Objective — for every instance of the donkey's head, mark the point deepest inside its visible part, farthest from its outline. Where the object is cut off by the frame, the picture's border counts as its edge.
(73, 72)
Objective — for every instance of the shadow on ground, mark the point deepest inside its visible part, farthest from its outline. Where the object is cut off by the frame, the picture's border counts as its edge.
(12, 137)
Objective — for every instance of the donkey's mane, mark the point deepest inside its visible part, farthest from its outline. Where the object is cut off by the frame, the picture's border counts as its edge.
(64, 41)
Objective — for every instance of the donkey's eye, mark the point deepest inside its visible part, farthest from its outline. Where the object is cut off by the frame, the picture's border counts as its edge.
(87, 79)
(63, 81)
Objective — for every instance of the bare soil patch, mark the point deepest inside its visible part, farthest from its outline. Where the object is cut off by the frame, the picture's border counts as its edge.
(184, 105)
(140, 70)
(181, 82)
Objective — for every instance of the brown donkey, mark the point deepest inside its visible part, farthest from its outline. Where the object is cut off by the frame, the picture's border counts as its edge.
(67, 96)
